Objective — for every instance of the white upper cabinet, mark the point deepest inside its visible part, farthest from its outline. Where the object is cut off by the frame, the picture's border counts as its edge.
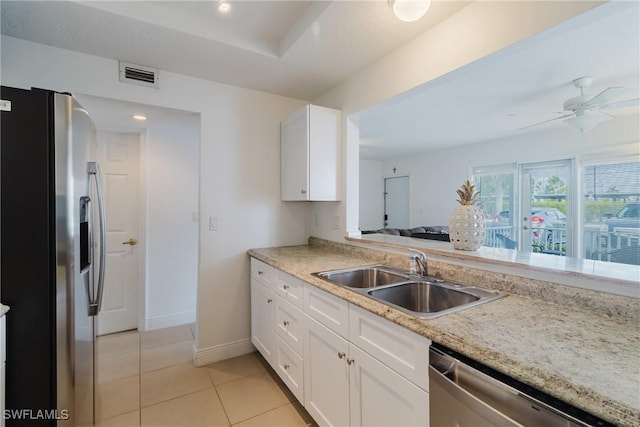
(310, 147)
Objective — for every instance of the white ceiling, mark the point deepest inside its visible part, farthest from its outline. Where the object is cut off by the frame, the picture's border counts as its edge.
(303, 48)
(298, 49)
(472, 104)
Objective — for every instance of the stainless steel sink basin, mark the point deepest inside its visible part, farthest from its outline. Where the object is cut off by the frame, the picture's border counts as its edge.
(365, 277)
(428, 299)
(423, 297)
(420, 296)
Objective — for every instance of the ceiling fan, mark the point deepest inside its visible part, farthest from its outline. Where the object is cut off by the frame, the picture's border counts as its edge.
(586, 111)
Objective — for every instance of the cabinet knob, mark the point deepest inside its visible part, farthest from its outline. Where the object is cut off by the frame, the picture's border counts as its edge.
(285, 287)
(259, 272)
(286, 366)
(341, 355)
(269, 300)
(351, 361)
(303, 191)
(285, 323)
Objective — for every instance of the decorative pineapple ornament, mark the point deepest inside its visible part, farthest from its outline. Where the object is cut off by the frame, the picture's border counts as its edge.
(466, 224)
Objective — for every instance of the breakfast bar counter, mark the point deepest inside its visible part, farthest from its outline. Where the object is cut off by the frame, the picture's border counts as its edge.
(587, 357)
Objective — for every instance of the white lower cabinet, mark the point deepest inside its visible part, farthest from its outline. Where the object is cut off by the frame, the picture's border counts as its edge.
(347, 366)
(326, 374)
(345, 386)
(380, 396)
(262, 314)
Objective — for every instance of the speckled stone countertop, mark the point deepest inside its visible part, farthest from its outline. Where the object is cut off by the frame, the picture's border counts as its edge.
(590, 359)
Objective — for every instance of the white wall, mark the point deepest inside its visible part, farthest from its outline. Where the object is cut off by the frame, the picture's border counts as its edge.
(433, 187)
(239, 174)
(172, 235)
(477, 31)
(371, 195)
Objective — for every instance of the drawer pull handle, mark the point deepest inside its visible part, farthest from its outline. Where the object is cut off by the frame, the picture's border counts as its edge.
(269, 300)
(286, 366)
(285, 323)
(351, 361)
(341, 355)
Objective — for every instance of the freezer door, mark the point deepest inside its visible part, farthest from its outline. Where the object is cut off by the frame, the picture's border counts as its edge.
(74, 139)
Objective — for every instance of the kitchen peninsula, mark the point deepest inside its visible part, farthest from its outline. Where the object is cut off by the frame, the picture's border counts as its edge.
(578, 345)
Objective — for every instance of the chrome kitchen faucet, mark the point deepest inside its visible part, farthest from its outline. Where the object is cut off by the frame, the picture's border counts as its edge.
(420, 259)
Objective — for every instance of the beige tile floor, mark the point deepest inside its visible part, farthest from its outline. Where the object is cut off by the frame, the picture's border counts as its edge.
(148, 379)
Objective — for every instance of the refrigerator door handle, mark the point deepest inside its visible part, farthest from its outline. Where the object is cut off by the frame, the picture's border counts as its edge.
(94, 305)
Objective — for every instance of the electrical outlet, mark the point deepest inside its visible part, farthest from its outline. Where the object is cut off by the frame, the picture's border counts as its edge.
(335, 222)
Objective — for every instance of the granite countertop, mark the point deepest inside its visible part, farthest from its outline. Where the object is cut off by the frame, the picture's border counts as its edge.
(589, 360)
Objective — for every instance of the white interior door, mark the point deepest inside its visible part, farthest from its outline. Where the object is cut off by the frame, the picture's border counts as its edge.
(396, 202)
(118, 155)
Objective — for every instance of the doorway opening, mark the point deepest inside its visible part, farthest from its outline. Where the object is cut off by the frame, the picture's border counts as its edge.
(157, 207)
(396, 202)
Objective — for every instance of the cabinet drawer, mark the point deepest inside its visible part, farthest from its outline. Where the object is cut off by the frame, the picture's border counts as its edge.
(400, 349)
(327, 309)
(262, 272)
(290, 288)
(290, 368)
(289, 324)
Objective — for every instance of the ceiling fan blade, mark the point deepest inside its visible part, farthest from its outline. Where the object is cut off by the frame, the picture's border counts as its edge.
(607, 96)
(623, 104)
(546, 121)
(535, 114)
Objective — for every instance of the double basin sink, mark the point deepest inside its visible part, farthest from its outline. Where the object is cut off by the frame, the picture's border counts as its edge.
(421, 296)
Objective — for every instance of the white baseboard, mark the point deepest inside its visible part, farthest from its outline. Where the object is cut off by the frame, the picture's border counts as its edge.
(204, 356)
(169, 320)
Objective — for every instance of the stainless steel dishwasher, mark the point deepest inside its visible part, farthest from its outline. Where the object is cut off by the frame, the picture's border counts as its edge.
(465, 393)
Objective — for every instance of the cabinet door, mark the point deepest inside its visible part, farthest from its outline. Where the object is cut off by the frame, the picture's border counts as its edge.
(262, 312)
(400, 349)
(294, 151)
(380, 396)
(326, 375)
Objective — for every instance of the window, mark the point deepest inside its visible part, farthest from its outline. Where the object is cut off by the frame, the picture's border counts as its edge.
(497, 199)
(611, 205)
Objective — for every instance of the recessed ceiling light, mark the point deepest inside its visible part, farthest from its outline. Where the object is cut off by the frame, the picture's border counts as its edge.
(224, 6)
(138, 117)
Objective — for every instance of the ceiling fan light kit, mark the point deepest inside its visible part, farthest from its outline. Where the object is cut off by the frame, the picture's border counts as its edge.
(409, 10)
(586, 120)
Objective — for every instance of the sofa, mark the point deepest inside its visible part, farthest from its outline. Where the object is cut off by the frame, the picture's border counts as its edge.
(438, 232)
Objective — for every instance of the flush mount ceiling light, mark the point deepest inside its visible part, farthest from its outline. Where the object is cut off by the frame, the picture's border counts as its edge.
(224, 6)
(139, 117)
(409, 10)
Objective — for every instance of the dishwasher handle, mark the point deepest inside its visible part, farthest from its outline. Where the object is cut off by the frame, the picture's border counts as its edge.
(466, 402)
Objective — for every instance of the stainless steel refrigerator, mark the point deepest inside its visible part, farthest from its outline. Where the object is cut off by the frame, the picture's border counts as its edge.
(52, 256)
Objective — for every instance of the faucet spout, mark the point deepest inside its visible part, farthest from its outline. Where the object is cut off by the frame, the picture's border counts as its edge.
(421, 260)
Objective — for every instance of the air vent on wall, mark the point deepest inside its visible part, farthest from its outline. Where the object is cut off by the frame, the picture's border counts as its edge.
(139, 75)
